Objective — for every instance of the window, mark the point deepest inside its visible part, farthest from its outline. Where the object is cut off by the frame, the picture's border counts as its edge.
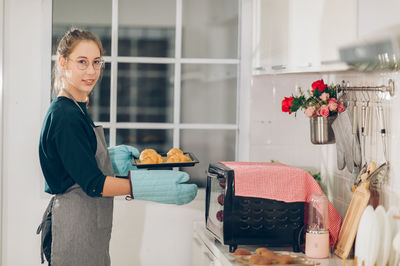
(171, 76)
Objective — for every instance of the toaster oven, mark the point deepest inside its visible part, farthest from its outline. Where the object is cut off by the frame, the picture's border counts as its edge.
(236, 220)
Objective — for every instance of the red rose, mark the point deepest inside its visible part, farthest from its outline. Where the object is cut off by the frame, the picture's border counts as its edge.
(341, 107)
(286, 103)
(319, 84)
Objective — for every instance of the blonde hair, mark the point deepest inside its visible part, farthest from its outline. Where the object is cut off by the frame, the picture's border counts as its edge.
(65, 47)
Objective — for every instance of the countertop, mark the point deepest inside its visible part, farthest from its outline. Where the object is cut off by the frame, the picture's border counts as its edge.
(221, 252)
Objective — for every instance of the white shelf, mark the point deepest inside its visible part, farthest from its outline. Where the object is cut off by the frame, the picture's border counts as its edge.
(336, 67)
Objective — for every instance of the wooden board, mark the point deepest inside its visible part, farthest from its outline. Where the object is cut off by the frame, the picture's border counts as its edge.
(349, 227)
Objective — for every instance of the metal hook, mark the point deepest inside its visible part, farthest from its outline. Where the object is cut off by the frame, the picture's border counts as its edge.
(366, 99)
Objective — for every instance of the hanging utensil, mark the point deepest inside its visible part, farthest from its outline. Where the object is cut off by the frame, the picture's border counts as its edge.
(357, 160)
(382, 130)
(364, 132)
(380, 176)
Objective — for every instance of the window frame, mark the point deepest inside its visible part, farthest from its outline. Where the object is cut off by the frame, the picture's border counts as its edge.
(1, 113)
(243, 63)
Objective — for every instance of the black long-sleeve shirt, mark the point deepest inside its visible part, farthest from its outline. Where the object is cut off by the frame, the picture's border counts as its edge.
(67, 149)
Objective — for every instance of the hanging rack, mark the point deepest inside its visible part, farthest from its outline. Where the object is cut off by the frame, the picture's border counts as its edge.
(388, 88)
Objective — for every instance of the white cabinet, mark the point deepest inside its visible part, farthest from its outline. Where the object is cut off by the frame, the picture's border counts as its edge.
(301, 35)
(206, 251)
(375, 16)
(201, 255)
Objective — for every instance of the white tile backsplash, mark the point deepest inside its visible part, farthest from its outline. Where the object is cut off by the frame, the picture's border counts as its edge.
(275, 135)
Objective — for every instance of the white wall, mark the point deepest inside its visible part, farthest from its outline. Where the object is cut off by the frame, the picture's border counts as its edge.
(375, 16)
(140, 228)
(22, 204)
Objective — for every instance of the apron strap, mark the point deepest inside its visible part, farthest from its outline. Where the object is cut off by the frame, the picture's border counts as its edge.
(80, 108)
(130, 197)
(72, 98)
(40, 227)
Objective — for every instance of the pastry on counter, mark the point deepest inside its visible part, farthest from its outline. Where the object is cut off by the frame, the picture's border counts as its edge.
(150, 156)
(258, 251)
(265, 253)
(260, 260)
(242, 251)
(284, 259)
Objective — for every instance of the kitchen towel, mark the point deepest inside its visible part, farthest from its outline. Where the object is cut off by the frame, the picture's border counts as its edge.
(281, 182)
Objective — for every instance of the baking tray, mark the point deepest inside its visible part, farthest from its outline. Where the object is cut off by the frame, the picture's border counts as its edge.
(163, 165)
(299, 259)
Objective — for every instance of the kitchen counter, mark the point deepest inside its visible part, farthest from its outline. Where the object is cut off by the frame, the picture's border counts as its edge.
(217, 254)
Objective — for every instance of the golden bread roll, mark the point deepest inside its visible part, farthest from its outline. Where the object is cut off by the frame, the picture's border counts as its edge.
(177, 157)
(154, 159)
(173, 159)
(173, 152)
(150, 156)
(242, 251)
(260, 250)
(185, 158)
(146, 153)
(268, 254)
(260, 260)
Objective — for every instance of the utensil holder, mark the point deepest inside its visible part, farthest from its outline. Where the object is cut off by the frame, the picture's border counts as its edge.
(321, 131)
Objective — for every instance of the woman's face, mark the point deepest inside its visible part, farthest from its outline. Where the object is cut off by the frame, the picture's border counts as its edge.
(82, 69)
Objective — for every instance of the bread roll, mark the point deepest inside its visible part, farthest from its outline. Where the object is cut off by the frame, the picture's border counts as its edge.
(150, 156)
(266, 253)
(173, 152)
(178, 158)
(146, 153)
(284, 259)
(242, 251)
(173, 159)
(175, 155)
(260, 260)
(260, 250)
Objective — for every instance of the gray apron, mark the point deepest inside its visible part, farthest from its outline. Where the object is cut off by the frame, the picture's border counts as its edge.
(81, 225)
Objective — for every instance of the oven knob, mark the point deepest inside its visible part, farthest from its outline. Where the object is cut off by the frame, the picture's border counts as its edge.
(220, 215)
(221, 199)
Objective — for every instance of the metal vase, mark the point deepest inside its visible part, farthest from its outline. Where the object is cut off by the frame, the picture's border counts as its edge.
(321, 131)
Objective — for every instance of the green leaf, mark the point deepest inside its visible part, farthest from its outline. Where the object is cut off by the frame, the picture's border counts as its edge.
(298, 102)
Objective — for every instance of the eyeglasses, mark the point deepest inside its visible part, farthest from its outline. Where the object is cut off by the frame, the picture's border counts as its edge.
(83, 64)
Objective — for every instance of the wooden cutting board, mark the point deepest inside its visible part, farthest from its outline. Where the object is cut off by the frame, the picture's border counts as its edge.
(348, 231)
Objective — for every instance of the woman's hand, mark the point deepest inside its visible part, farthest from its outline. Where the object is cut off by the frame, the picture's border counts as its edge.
(122, 157)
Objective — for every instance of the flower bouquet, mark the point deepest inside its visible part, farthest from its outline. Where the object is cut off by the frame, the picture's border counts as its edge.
(321, 101)
(321, 106)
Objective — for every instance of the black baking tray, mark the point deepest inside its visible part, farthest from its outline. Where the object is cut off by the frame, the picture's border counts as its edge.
(163, 165)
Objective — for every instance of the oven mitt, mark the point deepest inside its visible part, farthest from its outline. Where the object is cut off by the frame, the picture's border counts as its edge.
(121, 158)
(342, 129)
(163, 186)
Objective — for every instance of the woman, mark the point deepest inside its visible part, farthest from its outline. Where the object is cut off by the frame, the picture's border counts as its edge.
(78, 169)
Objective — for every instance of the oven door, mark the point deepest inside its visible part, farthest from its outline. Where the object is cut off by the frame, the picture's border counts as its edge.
(215, 197)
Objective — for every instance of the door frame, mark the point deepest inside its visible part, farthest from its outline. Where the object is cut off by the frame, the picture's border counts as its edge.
(1, 122)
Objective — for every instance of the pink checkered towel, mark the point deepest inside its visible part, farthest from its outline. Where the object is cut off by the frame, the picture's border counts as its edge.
(281, 182)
